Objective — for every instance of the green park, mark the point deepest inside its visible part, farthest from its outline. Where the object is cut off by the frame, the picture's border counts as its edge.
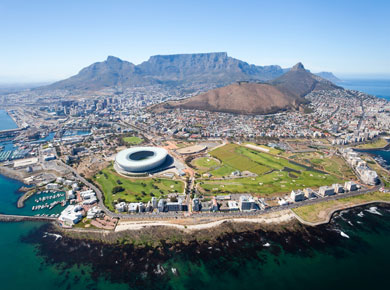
(117, 188)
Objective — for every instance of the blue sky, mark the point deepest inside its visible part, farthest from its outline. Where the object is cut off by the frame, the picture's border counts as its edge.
(50, 40)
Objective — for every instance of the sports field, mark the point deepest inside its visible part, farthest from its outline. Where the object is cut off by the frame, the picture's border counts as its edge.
(133, 140)
(136, 189)
(205, 164)
(275, 174)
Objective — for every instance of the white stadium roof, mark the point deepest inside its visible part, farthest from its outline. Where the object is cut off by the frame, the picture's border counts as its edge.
(140, 159)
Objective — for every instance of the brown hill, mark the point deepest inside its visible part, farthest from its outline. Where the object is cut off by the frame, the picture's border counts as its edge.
(284, 93)
(240, 98)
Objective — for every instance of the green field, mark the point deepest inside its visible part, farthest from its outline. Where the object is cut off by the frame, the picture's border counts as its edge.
(332, 164)
(275, 174)
(238, 158)
(136, 190)
(272, 150)
(133, 140)
(205, 164)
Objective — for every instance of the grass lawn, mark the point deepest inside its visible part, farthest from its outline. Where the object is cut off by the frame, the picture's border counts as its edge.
(319, 212)
(136, 190)
(224, 170)
(133, 140)
(379, 143)
(334, 164)
(275, 174)
(235, 156)
(269, 184)
(205, 164)
(272, 150)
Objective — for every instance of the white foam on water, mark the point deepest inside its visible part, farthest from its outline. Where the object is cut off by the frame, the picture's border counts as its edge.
(344, 235)
(350, 223)
(46, 234)
(373, 210)
(360, 214)
(266, 245)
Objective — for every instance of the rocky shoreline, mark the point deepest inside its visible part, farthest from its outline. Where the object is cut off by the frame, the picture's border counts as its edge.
(142, 258)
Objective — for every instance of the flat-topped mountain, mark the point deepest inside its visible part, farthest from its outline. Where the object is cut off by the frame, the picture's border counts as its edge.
(283, 93)
(179, 69)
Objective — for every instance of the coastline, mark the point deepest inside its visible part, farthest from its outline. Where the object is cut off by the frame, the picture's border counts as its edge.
(152, 233)
(9, 173)
(331, 214)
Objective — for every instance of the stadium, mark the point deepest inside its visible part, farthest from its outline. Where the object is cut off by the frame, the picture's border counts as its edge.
(140, 160)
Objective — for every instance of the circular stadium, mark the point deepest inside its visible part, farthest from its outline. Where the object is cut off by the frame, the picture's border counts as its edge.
(140, 159)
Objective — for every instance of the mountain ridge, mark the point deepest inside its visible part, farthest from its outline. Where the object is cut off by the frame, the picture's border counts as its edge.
(215, 68)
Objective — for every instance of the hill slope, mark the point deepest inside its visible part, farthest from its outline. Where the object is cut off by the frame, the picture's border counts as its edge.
(299, 82)
(283, 93)
(240, 98)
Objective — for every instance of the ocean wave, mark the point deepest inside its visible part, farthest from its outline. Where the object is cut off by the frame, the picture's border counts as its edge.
(373, 210)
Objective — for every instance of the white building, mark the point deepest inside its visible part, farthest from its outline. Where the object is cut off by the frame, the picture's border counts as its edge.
(246, 203)
(121, 207)
(52, 186)
(326, 191)
(309, 193)
(350, 186)
(338, 188)
(233, 205)
(71, 215)
(297, 195)
(93, 212)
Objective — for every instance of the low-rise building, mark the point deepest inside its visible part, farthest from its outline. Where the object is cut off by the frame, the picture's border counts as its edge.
(309, 193)
(71, 215)
(246, 203)
(132, 207)
(233, 205)
(351, 186)
(52, 186)
(338, 188)
(297, 195)
(121, 207)
(326, 191)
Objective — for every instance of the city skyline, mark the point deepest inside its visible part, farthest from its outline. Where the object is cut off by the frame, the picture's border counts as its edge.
(47, 41)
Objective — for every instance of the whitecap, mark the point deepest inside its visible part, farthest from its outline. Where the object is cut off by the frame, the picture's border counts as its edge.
(344, 235)
(373, 210)
(360, 214)
(266, 245)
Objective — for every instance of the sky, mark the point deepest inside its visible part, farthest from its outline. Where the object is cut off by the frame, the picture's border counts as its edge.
(51, 40)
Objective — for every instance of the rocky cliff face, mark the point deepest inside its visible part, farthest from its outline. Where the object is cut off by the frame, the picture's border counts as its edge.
(182, 69)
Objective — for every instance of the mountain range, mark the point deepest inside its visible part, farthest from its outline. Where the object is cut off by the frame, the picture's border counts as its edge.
(216, 69)
(283, 93)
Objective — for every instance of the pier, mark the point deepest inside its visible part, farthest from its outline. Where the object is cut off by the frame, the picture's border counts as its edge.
(21, 218)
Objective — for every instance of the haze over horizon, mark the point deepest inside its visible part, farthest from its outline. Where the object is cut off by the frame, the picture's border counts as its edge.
(47, 41)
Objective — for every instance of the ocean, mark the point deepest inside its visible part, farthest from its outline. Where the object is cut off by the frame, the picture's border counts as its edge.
(376, 87)
(6, 121)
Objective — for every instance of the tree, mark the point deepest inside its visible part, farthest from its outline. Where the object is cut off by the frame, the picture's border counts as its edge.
(117, 189)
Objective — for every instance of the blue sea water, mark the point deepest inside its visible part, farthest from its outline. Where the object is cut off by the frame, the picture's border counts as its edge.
(376, 87)
(6, 122)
